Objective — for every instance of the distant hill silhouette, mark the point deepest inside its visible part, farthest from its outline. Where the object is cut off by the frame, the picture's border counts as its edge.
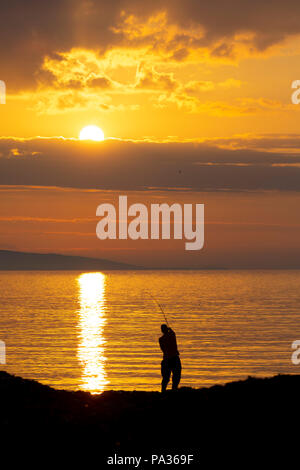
(15, 260)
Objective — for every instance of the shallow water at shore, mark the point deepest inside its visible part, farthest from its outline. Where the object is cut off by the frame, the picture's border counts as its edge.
(99, 331)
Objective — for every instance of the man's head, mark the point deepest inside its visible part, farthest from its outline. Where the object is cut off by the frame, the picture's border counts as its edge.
(164, 328)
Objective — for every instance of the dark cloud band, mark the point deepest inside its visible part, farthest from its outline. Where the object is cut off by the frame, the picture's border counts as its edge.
(127, 165)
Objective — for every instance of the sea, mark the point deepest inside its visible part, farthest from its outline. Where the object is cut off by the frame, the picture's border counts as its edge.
(97, 331)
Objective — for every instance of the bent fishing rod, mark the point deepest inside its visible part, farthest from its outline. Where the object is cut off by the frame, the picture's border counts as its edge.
(160, 307)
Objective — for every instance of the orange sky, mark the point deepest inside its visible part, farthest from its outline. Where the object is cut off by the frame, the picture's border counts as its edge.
(191, 96)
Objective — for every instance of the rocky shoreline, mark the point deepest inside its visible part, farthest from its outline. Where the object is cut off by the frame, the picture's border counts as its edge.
(252, 416)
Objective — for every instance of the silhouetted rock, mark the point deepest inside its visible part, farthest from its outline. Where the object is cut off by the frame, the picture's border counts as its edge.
(249, 420)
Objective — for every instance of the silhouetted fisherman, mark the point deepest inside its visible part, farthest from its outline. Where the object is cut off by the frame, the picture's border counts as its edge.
(171, 361)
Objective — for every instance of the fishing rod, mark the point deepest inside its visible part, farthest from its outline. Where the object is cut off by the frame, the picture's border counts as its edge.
(160, 307)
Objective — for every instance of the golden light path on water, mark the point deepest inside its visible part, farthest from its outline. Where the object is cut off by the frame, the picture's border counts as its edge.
(91, 345)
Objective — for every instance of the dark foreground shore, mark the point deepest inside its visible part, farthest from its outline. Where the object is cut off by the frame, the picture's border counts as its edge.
(253, 420)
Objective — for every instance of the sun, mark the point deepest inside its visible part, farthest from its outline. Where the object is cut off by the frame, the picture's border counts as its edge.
(91, 133)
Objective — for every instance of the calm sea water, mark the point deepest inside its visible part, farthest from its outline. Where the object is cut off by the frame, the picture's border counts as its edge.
(99, 331)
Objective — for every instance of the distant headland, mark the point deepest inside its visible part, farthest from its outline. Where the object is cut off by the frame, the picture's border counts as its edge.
(21, 261)
(25, 261)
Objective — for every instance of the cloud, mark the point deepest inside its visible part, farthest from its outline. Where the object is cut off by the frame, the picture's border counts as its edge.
(118, 56)
(170, 30)
(284, 143)
(150, 79)
(46, 220)
(81, 79)
(128, 165)
(189, 102)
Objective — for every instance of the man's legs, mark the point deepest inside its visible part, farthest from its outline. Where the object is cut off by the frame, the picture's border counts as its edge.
(166, 373)
(176, 369)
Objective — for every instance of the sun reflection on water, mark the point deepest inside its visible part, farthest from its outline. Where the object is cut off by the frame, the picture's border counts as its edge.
(91, 346)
